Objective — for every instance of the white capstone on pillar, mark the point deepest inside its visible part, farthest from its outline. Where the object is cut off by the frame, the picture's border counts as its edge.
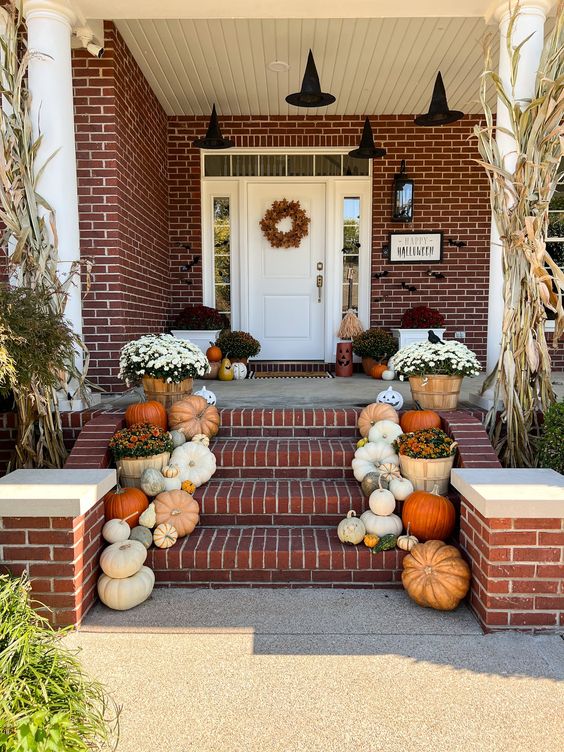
(529, 22)
(49, 25)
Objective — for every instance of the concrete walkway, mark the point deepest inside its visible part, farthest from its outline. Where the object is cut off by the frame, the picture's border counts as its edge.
(321, 671)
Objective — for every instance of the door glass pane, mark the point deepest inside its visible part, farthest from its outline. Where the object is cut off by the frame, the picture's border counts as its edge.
(327, 164)
(300, 165)
(354, 167)
(217, 165)
(222, 254)
(351, 252)
(273, 164)
(244, 164)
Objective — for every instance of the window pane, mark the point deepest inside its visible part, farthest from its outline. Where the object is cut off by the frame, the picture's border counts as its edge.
(556, 224)
(351, 252)
(244, 164)
(355, 167)
(300, 165)
(327, 164)
(272, 164)
(222, 254)
(217, 165)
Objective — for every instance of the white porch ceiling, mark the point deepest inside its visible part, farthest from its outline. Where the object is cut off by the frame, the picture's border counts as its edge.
(372, 65)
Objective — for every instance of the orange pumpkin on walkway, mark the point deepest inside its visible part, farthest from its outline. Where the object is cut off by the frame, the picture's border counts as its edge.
(146, 412)
(435, 575)
(125, 504)
(430, 516)
(416, 420)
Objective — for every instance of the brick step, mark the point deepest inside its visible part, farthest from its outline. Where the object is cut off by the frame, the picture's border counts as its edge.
(295, 422)
(278, 502)
(284, 458)
(266, 556)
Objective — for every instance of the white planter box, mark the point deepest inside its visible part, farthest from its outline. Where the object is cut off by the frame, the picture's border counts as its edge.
(199, 337)
(409, 336)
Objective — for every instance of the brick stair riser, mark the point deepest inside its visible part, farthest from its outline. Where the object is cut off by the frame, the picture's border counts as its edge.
(289, 423)
(289, 432)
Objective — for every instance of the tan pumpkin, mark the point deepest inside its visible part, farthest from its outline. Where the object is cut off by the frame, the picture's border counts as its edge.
(435, 575)
(165, 535)
(373, 413)
(192, 415)
(178, 508)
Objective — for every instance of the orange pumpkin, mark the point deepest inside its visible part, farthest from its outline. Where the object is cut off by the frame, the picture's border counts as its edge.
(213, 353)
(192, 415)
(146, 412)
(125, 504)
(416, 420)
(377, 371)
(435, 575)
(430, 516)
(371, 414)
(177, 508)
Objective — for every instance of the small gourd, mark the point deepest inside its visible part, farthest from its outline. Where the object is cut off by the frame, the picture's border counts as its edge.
(371, 482)
(361, 442)
(123, 559)
(142, 534)
(178, 438)
(382, 502)
(385, 430)
(152, 482)
(115, 531)
(239, 371)
(388, 375)
(149, 517)
(386, 543)
(171, 475)
(351, 529)
(388, 471)
(201, 438)
(165, 535)
(370, 540)
(407, 541)
(225, 370)
(188, 486)
(376, 524)
(401, 488)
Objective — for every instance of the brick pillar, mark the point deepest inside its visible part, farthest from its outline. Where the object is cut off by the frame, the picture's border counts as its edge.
(512, 531)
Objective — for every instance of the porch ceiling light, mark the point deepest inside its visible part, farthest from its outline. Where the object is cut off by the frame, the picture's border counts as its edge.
(439, 113)
(402, 198)
(367, 149)
(213, 138)
(310, 94)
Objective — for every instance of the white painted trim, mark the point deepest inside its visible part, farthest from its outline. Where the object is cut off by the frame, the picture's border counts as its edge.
(549, 325)
(53, 493)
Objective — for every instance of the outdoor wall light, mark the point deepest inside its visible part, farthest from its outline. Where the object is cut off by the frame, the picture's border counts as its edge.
(402, 198)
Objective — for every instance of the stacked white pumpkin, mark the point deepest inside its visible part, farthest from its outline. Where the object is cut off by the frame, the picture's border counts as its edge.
(125, 582)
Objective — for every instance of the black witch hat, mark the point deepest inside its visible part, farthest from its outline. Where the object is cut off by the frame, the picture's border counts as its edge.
(439, 113)
(367, 149)
(213, 138)
(310, 94)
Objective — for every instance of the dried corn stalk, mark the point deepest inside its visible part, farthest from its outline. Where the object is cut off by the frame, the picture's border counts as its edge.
(532, 282)
(30, 244)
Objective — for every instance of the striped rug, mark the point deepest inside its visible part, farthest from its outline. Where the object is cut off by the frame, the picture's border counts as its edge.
(291, 375)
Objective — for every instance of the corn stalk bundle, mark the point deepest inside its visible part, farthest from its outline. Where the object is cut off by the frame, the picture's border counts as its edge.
(532, 281)
(30, 244)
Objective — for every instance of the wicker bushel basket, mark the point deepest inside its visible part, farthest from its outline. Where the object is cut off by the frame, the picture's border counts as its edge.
(130, 469)
(426, 474)
(165, 393)
(436, 392)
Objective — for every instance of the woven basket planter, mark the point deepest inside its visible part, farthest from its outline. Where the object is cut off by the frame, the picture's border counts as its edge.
(130, 469)
(436, 392)
(426, 474)
(165, 393)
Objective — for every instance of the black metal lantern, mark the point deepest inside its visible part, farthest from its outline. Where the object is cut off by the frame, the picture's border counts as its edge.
(402, 198)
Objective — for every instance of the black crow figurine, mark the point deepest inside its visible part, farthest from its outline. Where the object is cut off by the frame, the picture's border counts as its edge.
(434, 339)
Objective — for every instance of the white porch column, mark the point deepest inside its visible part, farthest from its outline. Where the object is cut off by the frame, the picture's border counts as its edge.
(530, 21)
(49, 24)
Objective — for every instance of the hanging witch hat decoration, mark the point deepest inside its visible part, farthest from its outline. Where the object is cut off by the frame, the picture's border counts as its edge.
(310, 94)
(213, 138)
(439, 113)
(367, 149)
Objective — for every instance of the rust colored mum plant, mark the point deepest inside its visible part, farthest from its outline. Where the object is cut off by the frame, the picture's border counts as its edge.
(141, 440)
(427, 444)
(422, 317)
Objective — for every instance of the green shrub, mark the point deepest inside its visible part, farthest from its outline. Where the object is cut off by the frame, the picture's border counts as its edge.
(551, 447)
(375, 343)
(47, 704)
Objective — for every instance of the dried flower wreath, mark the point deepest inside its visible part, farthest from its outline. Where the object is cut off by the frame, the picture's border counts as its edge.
(278, 211)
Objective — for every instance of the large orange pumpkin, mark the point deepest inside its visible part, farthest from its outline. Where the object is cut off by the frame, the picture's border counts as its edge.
(416, 420)
(371, 414)
(213, 353)
(377, 371)
(125, 504)
(430, 516)
(146, 412)
(192, 415)
(435, 575)
(177, 508)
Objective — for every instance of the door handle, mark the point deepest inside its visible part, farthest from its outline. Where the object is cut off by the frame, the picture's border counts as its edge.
(319, 286)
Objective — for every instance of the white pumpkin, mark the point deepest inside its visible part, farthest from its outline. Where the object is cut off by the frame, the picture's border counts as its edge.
(376, 524)
(351, 529)
(382, 502)
(407, 542)
(368, 458)
(388, 471)
(127, 592)
(171, 475)
(385, 430)
(401, 488)
(149, 516)
(195, 462)
(152, 482)
(239, 371)
(390, 397)
(115, 531)
(209, 397)
(389, 375)
(123, 559)
(178, 438)
(201, 438)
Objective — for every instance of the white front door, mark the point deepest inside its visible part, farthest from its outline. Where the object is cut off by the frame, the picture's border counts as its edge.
(286, 308)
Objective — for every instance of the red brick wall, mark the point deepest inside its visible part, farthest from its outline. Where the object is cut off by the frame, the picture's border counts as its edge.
(121, 132)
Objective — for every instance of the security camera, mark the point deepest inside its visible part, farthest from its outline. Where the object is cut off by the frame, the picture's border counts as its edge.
(95, 49)
(86, 37)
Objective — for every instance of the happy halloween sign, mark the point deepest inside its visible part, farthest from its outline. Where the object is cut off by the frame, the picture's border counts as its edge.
(415, 247)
